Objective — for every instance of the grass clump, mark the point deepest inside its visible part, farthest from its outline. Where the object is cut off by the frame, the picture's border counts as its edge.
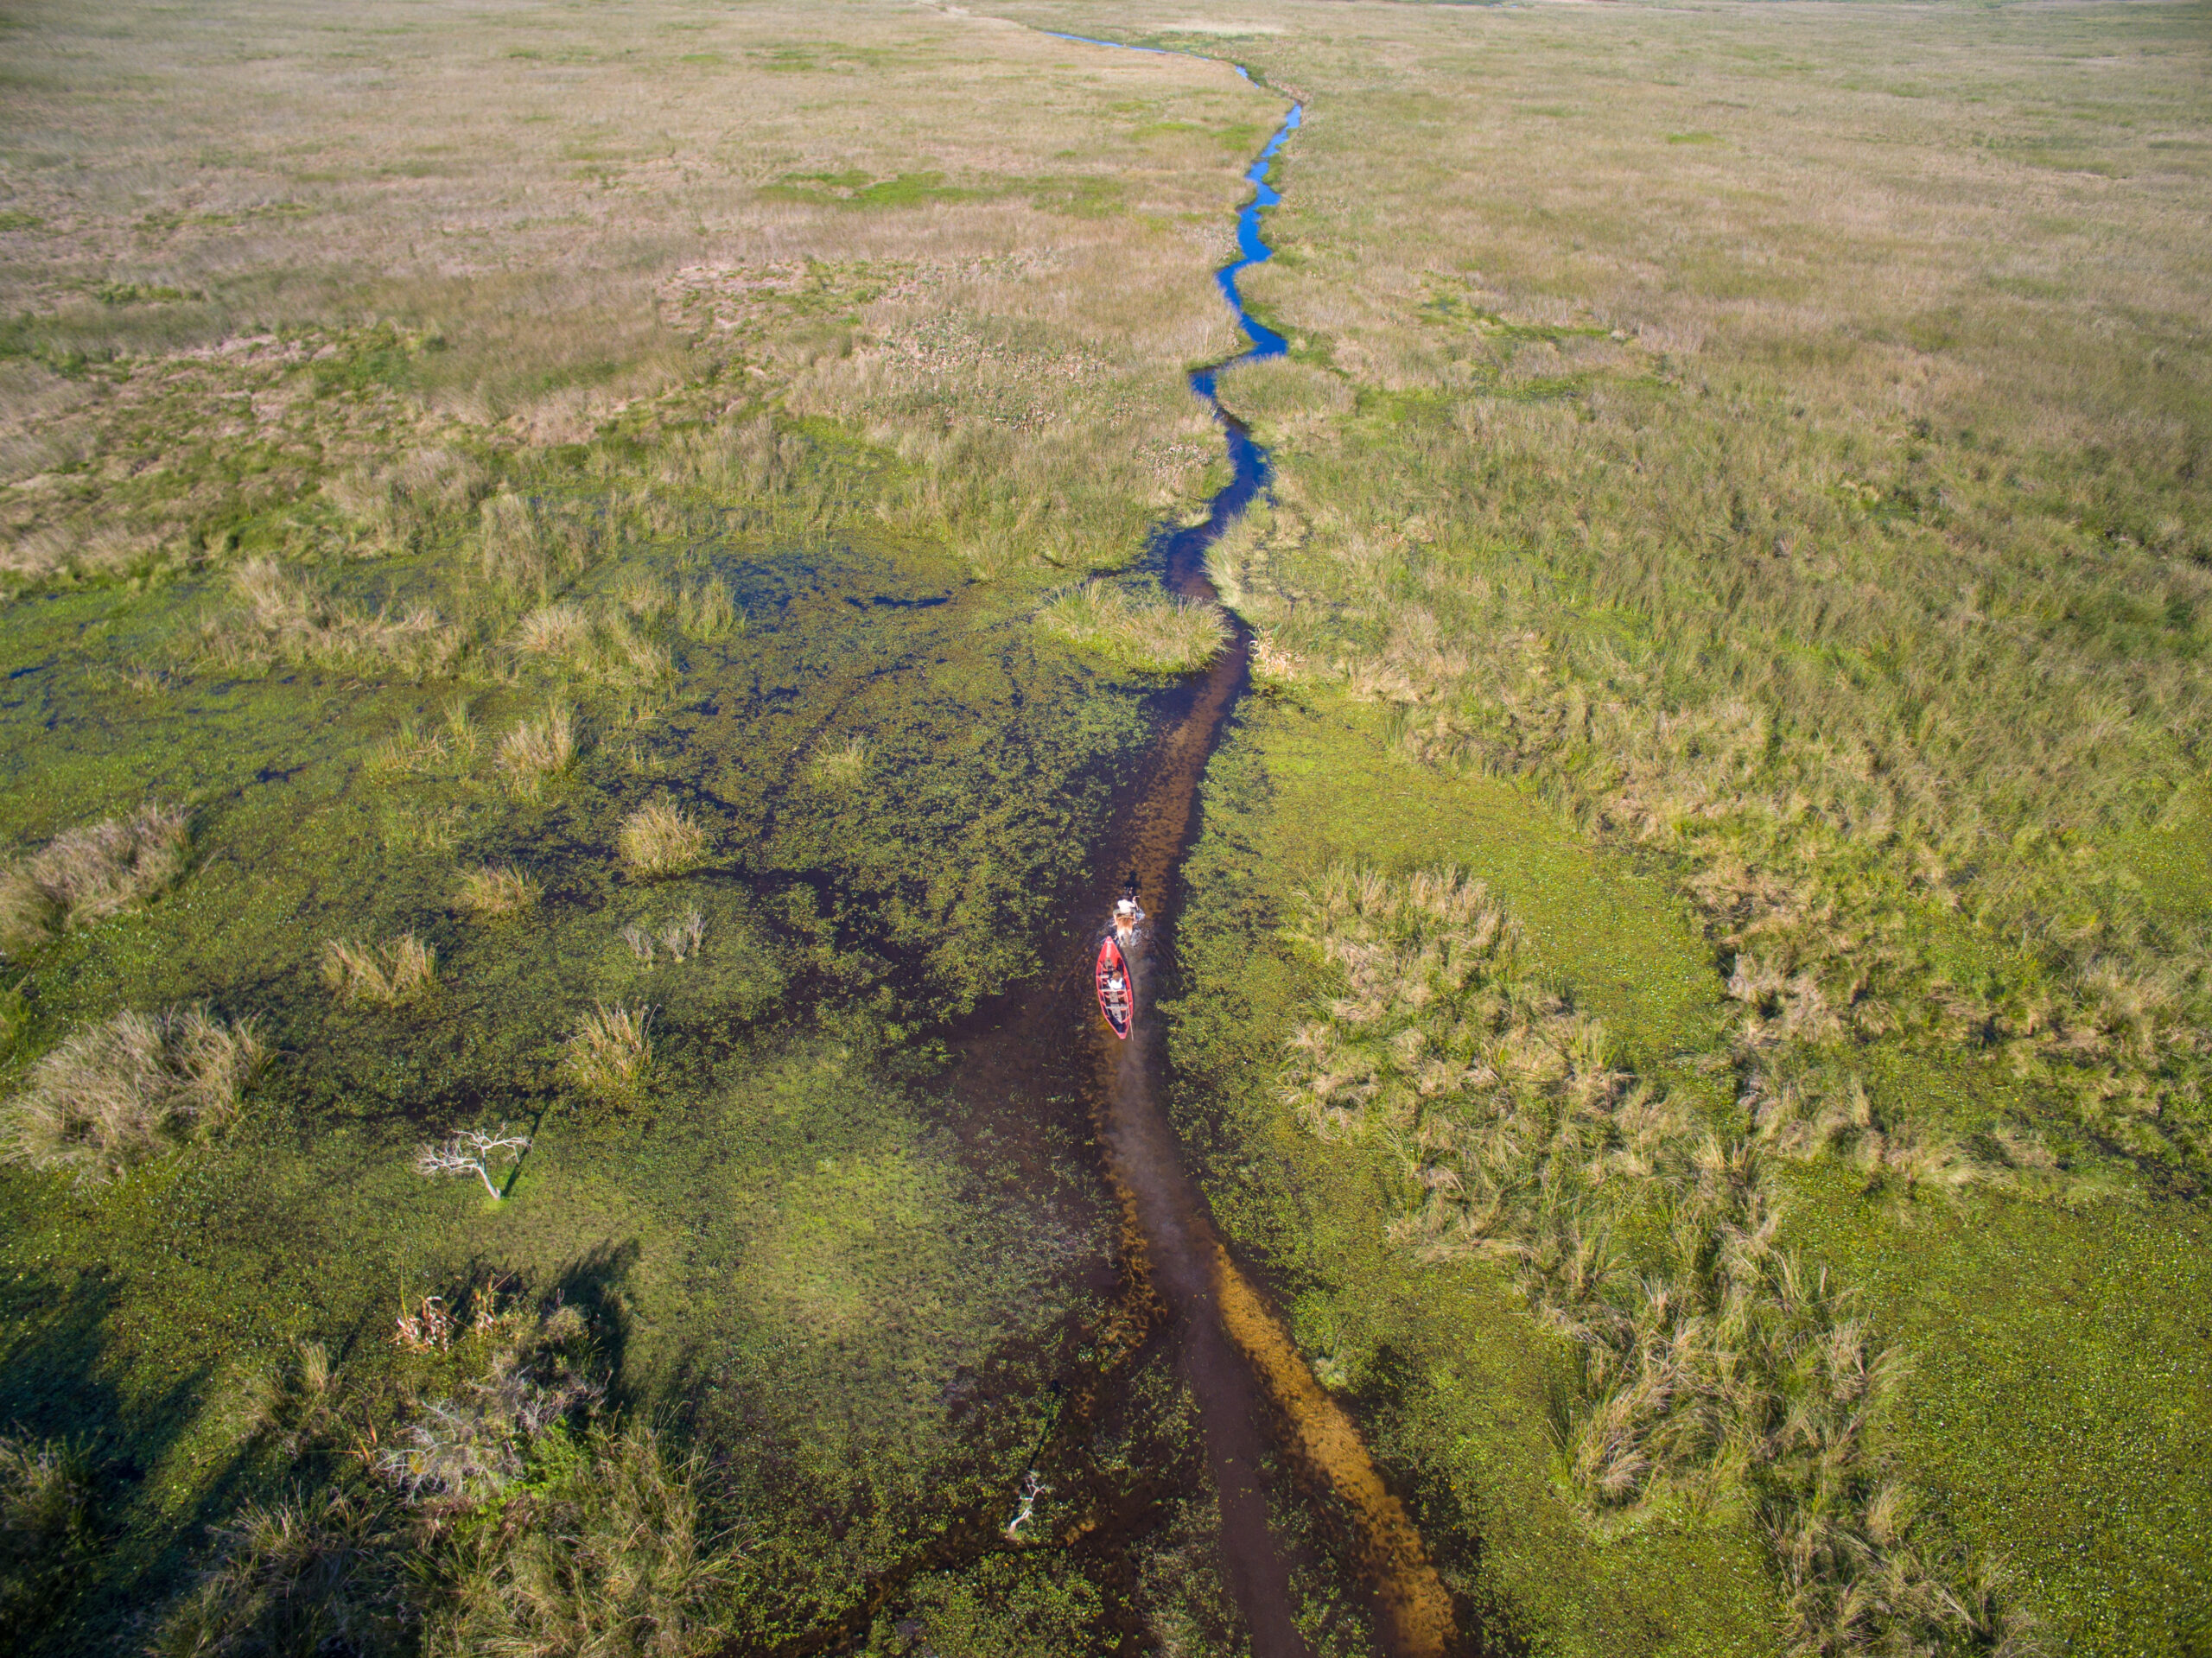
(131, 1090)
(319, 1572)
(46, 1527)
(601, 646)
(86, 875)
(1711, 1359)
(290, 1405)
(659, 839)
(391, 974)
(496, 889)
(1162, 635)
(283, 618)
(608, 1053)
(537, 749)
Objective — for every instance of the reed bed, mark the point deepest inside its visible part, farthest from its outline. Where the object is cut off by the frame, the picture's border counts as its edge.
(1151, 633)
(131, 1090)
(1713, 1361)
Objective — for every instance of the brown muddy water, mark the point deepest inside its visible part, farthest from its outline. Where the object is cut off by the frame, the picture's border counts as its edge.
(1273, 1436)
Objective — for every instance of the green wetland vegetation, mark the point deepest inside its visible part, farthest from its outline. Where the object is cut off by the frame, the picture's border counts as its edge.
(581, 606)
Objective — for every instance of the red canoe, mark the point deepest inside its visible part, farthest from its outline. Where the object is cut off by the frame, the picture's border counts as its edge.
(1115, 991)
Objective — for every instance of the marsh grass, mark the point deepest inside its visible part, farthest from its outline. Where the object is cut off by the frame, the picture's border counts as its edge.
(609, 1052)
(660, 839)
(494, 889)
(285, 618)
(398, 973)
(291, 1404)
(538, 749)
(318, 1571)
(1857, 585)
(86, 875)
(1711, 1360)
(47, 1528)
(132, 1088)
(407, 752)
(601, 646)
(1151, 633)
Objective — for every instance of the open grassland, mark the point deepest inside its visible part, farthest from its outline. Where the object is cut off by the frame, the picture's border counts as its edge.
(277, 285)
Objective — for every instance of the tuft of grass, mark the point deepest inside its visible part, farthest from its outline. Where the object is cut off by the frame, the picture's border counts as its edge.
(620, 1560)
(88, 873)
(842, 766)
(537, 749)
(289, 1405)
(391, 974)
(705, 610)
(609, 1052)
(46, 1527)
(498, 889)
(317, 1573)
(659, 839)
(1159, 635)
(129, 1090)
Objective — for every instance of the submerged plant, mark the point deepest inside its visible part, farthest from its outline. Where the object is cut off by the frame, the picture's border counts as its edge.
(609, 1050)
(1161, 635)
(131, 1088)
(659, 839)
(390, 974)
(498, 889)
(85, 874)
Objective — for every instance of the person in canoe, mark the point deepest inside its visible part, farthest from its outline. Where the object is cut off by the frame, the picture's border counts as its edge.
(1115, 999)
(1127, 916)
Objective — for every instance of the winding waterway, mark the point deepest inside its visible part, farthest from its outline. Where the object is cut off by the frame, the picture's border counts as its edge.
(1256, 1393)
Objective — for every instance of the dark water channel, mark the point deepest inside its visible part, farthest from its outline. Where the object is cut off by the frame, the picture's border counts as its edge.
(1272, 1434)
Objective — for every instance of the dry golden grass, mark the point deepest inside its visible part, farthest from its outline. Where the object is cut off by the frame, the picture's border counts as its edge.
(1004, 299)
(609, 1052)
(394, 973)
(120, 1093)
(86, 874)
(659, 839)
(498, 889)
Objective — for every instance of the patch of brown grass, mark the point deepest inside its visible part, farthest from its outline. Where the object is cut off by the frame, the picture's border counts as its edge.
(140, 1085)
(85, 874)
